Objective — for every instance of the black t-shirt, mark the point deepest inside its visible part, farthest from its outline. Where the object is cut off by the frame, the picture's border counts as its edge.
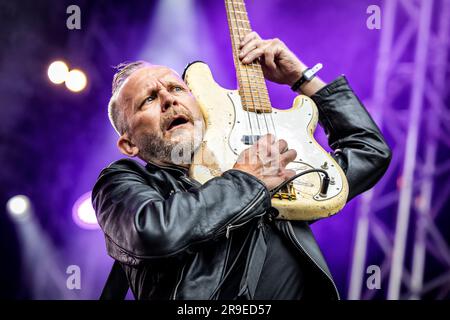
(282, 276)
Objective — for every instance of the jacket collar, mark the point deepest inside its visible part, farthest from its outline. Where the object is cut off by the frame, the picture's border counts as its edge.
(174, 169)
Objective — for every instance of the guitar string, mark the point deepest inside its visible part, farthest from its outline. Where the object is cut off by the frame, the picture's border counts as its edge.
(247, 109)
(236, 57)
(258, 92)
(244, 68)
(255, 72)
(238, 23)
(267, 96)
(264, 113)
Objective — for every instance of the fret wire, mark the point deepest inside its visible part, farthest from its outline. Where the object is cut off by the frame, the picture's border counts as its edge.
(249, 94)
(248, 87)
(247, 100)
(252, 85)
(240, 12)
(258, 85)
(241, 20)
(248, 97)
(235, 36)
(236, 27)
(245, 89)
(250, 90)
(255, 80)
(256, 77)
(249, 106)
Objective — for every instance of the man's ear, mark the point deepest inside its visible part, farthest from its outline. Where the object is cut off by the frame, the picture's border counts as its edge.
(126, 146)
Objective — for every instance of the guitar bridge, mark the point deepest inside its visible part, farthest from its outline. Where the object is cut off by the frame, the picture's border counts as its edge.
(287, 192)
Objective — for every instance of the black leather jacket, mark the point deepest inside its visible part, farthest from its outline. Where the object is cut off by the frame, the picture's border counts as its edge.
(169, 233)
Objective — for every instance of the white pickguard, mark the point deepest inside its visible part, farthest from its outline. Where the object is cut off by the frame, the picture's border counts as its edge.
(292, 126)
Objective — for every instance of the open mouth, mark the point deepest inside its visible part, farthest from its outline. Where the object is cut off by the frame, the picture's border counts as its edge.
(177, 121)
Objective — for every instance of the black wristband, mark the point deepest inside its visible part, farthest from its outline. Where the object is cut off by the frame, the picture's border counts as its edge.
(307, 75)
(299, 83)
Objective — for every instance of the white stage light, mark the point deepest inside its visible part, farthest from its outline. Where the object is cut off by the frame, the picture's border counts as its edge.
(18, 206)
(57, 72)
(76, 80)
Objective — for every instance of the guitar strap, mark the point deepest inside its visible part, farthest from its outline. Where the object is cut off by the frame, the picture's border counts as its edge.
(116, 286)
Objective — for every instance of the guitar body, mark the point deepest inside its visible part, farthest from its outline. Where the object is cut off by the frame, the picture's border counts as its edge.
(226, 136)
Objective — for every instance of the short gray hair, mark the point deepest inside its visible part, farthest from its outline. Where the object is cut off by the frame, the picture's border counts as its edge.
(115, 113)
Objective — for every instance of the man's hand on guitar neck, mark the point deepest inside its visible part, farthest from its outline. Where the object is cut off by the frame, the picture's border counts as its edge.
(279, 64)
(267, 160)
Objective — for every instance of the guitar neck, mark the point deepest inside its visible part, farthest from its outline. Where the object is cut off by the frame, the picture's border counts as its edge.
(252, 86)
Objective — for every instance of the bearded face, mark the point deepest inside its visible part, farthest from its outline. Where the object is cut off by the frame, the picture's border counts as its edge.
(176, 141)
(165, 124)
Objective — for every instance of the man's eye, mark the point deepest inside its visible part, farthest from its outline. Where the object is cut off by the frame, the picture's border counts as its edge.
(177, 89)
(149, 99)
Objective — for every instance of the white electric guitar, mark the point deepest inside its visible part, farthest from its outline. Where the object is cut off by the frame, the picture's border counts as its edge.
(235, 119)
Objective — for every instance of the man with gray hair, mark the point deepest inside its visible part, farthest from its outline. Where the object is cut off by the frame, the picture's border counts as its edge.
(168, 233)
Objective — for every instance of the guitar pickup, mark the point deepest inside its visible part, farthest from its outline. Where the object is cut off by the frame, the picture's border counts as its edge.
(250, 139)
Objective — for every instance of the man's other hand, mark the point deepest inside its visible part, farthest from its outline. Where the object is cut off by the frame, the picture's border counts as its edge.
(267, 160)
(279, 64)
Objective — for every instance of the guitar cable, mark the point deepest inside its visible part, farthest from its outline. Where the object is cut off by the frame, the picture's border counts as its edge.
(323, 188)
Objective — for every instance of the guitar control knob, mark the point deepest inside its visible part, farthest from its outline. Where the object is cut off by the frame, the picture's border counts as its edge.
(324, 166)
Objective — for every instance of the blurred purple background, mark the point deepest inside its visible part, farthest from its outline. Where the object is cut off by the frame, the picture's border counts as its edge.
(54, 142)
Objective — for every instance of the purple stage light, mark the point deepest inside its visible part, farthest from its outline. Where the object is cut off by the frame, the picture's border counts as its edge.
(83, 213)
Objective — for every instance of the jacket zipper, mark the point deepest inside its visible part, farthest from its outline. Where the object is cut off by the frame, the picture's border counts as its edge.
(231, 227)
(180, 277)
(244, 211)
(224, 271)
(299, 245)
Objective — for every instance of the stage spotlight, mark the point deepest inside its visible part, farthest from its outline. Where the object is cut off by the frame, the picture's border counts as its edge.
(83, 213)
(57, 72)
(76, 80)
(170, 15)
(18, 207)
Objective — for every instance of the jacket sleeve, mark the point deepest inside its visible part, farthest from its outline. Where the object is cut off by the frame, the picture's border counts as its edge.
(359, 147)
(139, 223)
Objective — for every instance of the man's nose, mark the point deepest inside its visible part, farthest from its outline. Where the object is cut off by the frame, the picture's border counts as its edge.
(167, 100)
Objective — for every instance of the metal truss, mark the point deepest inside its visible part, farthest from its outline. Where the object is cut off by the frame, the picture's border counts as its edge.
(418, 125)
